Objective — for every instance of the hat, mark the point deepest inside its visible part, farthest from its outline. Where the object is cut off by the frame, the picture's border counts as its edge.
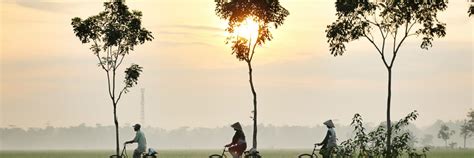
(236, 126)
(137, 125)
(329, 123)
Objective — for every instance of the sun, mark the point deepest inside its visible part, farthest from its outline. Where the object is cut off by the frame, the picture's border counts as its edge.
(248, 29)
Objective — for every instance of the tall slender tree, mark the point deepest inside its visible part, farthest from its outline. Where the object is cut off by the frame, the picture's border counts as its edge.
(467, 128)
(241, 13)
(394, 21)
(113, 34)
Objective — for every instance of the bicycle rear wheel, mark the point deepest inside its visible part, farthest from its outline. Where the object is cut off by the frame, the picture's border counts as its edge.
(216, 156)
(255, 155)
(307, 156)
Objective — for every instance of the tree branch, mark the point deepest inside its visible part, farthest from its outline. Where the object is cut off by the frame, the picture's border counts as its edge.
(109, 88)
(395, 52)
(378, 49)
(120, 60)
(98, 57)
(120, 94)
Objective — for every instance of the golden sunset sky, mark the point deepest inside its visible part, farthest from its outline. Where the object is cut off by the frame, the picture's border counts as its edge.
(191, 78)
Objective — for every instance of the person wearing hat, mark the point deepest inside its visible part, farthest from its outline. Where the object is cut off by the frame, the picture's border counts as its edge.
(329, 142)
(238, 144)
(140, 139)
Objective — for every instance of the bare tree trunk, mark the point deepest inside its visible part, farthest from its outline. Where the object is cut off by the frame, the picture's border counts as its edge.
(254, 140)
(117, 149)
(389, 122)
(465, 137)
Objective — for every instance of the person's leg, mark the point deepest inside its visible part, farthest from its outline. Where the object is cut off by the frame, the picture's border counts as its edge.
(241, 149)
(136, 153)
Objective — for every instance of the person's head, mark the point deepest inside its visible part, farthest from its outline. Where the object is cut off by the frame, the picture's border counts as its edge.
(236, 126)
(329, 124)
(136, 127)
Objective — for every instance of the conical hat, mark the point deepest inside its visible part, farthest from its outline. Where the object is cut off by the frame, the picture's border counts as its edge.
(329, 123)
(236, 126)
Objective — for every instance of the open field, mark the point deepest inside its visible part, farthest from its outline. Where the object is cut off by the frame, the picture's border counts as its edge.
(436, 153)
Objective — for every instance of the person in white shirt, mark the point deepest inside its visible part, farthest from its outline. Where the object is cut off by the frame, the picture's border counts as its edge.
(140, 139)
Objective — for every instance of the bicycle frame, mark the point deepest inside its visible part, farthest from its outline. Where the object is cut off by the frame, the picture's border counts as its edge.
(222, 155)
(122, 155)
(312, 155)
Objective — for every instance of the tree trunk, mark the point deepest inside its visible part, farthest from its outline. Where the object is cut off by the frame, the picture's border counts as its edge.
(465, 137)
(389, 122)
(254, 140)
(117, 148)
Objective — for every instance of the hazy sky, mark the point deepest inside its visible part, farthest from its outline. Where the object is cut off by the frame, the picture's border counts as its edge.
(191, 78)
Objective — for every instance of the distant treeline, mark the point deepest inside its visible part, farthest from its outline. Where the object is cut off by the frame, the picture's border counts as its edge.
(102, 137)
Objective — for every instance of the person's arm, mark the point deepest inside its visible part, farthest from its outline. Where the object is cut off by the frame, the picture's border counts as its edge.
(234, 140)
(133, 140)
(325, 140)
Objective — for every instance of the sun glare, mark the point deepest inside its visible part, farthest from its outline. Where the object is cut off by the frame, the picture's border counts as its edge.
(248, 29)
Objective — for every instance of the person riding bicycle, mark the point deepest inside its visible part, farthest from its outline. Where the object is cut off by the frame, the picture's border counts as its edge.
(238, 144)
(140, 139)
(329, 142)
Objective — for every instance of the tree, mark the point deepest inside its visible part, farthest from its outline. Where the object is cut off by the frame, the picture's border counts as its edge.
(113, 34)
(427, 139)
(445, 133)
(394, 21)
(453, 145)
(467, 129)
(238, 13)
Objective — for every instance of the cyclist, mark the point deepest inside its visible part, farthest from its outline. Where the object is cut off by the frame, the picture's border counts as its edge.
(238, 144)
(329, 142)
(140, 139)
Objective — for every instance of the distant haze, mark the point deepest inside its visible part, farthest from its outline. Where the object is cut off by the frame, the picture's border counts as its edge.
(270, 137)
(191, 79)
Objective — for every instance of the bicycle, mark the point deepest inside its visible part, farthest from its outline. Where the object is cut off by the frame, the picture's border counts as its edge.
(219, 156)
(247, 154)
(312, 155)
(150, 154)
(125, 155)
(122, 155)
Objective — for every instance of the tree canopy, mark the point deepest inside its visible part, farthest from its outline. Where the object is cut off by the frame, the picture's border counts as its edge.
(115, 27)
(360, 19)
(265, 12)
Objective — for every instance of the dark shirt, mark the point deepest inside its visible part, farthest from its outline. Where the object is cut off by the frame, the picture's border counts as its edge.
(239, 135)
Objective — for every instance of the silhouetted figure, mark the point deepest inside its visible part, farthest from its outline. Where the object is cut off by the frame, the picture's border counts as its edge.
(140, 139)
(238, 144)
(329, 141)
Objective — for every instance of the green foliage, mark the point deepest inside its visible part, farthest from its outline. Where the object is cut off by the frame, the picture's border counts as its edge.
(445, 133)
(131, 76)
(115, 32)
(372, 144)
(356, 19)
(265, 12)
(467, 128)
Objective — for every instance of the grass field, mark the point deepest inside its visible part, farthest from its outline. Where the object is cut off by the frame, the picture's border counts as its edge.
(436, 153)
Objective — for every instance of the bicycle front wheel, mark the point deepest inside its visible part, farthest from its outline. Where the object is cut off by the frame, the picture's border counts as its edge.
(307, 156)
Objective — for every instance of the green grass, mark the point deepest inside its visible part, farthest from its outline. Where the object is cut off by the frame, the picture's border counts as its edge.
(435, 153)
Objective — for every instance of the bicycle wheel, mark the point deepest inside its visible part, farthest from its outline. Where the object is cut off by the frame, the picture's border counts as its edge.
(252, 156)
(215, 156)
(306, 155)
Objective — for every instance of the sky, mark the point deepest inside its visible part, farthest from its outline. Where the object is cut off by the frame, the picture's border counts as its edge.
(191, 79)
